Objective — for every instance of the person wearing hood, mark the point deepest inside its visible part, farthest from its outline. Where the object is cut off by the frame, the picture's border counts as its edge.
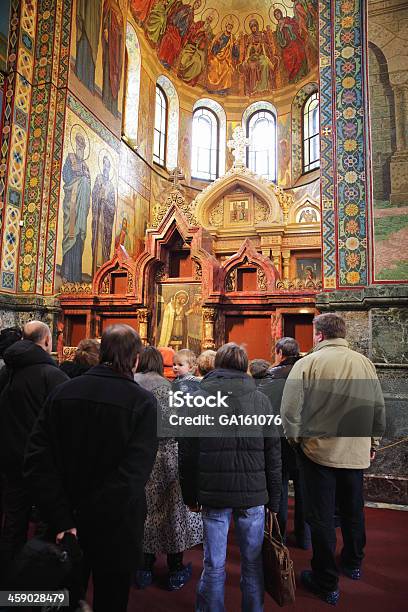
(33, 374)
(170, 527)
(8, 337)
(232, 473)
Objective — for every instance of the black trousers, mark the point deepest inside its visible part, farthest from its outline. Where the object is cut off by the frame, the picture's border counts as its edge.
(323, 487)
(110, 589)
(16, 518)
(174, 561)
(302, 531)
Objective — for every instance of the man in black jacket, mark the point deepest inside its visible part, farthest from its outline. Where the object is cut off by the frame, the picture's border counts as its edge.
(32, 375)
(88, 460)
(237, 476)
(286, 355)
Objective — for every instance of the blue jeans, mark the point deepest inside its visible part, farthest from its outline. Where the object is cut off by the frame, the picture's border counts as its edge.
(249, 526)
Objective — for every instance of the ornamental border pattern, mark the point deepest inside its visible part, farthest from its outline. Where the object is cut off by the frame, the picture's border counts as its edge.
(350, 144)
(87, 117)
(51, 242)
(15, 135)
(327, 156)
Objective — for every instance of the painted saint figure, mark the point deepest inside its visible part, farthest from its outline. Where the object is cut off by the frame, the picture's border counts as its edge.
(112, 53)
(179, 21)
(103, 214)
(122, 240)
(155, 25)
(292, 44)
(174, 326)
(88, 24)
(259, 65)
(77, 196)
(193, 55)
(222, 58)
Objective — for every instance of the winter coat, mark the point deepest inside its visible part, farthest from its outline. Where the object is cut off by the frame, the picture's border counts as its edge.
(187, 383)
(272, 385)
(232, 472)
(333, 405)
(73, 369)
(32, 375)
(88, 460)
(169, 527)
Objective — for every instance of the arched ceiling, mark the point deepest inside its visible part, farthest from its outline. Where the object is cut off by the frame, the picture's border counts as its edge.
(226, 48)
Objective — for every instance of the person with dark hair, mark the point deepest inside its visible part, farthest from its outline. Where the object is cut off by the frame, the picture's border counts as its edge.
(286, 355)
(170, 527)
(88, 461)
(258, 369)
(232, 474)
(333, 413)
(86, 356)
(33, 374)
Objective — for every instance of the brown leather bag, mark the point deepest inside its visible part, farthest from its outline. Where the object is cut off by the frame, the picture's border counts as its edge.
(279, 575)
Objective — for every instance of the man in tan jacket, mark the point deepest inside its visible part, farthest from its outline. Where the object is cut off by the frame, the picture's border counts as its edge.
(333, 413)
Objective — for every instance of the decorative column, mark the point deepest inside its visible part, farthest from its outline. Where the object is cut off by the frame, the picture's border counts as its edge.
(286, 259)
(209, 317)
(143, 318)
(277, 261)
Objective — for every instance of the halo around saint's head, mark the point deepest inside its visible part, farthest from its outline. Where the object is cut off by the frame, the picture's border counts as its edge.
(279, 7)
(233, 19)
(79, 136)
(105, 153)
(254, 17)
(211, 12)
(182, 292)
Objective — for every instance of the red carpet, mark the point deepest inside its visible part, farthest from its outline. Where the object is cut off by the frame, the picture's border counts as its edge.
(384, 587)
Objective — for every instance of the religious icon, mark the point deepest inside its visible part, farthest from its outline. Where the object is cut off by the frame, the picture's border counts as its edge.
(122, 239)
(88, 25)
(76, 204)
(181, 317)
(223, 56)
(103, 212)
(308, 215)
(309, 270)
(239, 211)
(112, 52)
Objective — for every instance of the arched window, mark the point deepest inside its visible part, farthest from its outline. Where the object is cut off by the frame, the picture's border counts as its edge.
(261, 130)
(132, 87)
(204, 161)
(160, 127)
(311, 139)
(172, 124)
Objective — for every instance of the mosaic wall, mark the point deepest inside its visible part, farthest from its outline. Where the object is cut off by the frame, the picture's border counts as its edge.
(388, 87)
(98, 38)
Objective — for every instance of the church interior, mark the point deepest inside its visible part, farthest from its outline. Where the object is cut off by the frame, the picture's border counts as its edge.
(226, 167)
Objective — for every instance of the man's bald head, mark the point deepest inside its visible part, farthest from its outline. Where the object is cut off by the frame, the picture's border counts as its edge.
(39, 333)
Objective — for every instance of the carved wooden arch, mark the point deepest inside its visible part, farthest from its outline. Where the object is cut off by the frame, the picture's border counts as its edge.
(148, 263)
(102, 282)
(244, 178)
(248, 253)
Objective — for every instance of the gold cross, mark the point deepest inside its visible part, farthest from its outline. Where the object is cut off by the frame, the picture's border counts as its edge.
(175, 176)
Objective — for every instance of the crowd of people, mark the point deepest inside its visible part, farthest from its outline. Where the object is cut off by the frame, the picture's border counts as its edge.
(80, 458)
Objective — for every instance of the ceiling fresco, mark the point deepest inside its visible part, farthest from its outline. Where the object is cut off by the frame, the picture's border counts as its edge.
(227, 49)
